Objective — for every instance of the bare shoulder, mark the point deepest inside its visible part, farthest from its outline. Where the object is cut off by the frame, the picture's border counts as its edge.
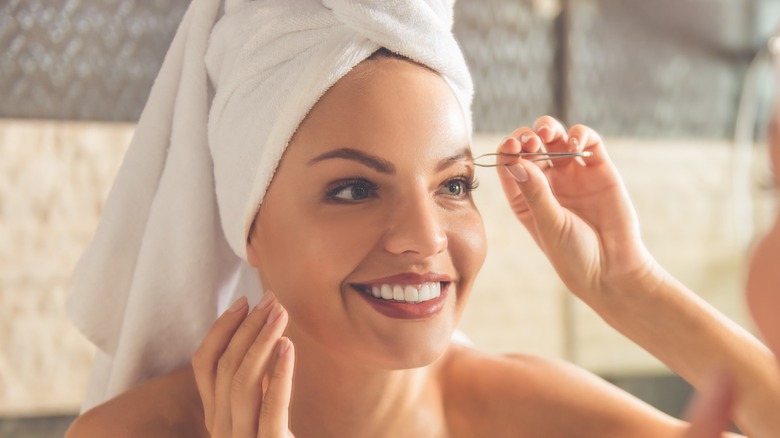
(165, 406)
(518, 395)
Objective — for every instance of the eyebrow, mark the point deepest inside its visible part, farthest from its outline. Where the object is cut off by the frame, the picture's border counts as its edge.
(374, 162)
(381, 165)
(463, 155)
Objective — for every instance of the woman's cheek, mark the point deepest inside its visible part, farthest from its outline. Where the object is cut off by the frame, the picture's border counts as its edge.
(468, 244)
(333, 249)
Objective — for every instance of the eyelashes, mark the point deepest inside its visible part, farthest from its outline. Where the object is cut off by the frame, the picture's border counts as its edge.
(459, 186)
(471, 182)
(353, 190)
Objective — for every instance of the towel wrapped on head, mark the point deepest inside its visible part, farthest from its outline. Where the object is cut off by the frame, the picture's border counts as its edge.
(240, 76)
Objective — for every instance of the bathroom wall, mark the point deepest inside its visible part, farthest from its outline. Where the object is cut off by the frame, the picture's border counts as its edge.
(54, 177)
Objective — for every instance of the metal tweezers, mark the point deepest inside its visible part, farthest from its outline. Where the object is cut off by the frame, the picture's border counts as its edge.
(541, 156)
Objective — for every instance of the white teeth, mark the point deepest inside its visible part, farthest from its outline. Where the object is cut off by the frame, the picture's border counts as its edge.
(387, 292)
(410, 294)
(425, 292)
(406, 293)
(398, 293)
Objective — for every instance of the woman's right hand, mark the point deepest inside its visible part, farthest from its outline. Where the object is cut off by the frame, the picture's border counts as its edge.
(243, 370)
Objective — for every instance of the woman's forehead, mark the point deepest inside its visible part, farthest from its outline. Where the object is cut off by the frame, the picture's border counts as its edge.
(390, 104)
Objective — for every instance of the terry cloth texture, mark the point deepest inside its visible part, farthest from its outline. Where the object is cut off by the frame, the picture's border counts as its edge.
(169, 253)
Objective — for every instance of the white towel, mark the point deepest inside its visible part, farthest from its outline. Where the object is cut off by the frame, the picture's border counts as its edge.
(774, 48)
(169, 253)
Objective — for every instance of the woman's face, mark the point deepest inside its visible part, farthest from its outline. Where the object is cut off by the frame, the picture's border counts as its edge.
(372, 197)
(763, 281)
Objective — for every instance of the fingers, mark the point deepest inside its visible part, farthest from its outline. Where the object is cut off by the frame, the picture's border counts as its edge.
(582, 138)
(529, 193)
(528, 140)
(246, 386)
(525, 184)
(545, 214)
(551, 132)
(514, 176)
(274, 414)
(204, 360)
(264, 313)
(509, 182)
(231, 362)
(550, 135)
(711, 411)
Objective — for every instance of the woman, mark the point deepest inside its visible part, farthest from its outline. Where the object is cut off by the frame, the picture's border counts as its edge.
(368, 238)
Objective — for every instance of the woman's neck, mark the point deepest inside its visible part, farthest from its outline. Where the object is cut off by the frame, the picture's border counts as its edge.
(335, 396)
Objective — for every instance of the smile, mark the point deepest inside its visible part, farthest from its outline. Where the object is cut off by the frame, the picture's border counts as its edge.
(404, 293)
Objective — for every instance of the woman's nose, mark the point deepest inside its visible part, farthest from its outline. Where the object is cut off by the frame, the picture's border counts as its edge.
(416, 227)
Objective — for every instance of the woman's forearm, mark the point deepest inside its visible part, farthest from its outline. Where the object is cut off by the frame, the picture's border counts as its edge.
(695, 340)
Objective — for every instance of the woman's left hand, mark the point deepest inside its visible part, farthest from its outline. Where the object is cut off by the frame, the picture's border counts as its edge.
(581, 217)
(577, 209)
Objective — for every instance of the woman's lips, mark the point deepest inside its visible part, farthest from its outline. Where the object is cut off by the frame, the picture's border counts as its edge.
(406, 300)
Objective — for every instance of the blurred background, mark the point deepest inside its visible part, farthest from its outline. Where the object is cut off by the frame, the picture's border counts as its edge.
(681, 91)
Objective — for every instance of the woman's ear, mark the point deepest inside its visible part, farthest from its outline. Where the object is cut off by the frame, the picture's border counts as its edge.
(251, 256)
(251, 250)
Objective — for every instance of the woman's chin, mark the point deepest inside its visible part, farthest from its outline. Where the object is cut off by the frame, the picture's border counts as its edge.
(415, 352)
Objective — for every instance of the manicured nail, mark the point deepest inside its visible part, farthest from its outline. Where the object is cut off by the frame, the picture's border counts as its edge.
(265, 300)
(518, 172)
(237, 305)
(283, 346)
(276, 312)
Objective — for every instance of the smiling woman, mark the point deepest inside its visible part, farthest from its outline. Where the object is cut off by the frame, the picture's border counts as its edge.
(375, 207)
(333, 176)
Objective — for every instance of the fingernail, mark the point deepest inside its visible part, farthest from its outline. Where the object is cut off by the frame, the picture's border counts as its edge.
(546, 133)
(282, 346)
(542, 128)
(518, 172)
(524, 138)
(276, 312)
(575, 143)
(265, 300)
(503, 143)
(237, 305)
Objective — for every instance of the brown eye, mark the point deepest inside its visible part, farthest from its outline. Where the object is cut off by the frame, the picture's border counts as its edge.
(353, 193)
(457, 187)
(352, 190)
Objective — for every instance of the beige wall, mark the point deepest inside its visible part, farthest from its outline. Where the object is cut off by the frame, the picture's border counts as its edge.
(53, 179)
(55, 176)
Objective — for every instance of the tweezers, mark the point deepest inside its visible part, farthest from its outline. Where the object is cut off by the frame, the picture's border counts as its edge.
(541, 157)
